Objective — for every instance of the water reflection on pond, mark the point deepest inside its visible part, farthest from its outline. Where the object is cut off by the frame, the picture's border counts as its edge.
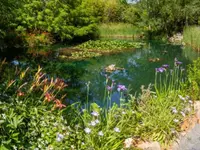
(139, 67)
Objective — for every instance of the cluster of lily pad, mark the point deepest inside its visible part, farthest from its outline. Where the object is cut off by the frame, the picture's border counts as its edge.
(111, 45)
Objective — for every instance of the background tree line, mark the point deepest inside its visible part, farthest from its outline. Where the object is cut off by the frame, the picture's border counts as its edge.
(66, 20)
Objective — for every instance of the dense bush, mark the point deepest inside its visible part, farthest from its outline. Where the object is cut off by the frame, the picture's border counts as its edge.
(39, 39)
(64, 20)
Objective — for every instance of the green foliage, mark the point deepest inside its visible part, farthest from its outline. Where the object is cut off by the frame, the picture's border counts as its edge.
(108, 11)
(28, 105)
(7, 17)
(131, 15)
(111, 45)
(171, 15)
(84, 54)
(62, 19)
(38, 40)
(97, 48)
(119, 30)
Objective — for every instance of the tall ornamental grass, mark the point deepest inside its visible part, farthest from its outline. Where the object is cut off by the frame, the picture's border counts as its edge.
(118, 30)
(191, 36)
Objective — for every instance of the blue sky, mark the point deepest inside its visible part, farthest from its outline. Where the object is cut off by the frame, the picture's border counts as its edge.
(130, 1)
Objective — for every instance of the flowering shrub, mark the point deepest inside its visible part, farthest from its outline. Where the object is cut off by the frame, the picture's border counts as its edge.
(39, 39)
(30, 108)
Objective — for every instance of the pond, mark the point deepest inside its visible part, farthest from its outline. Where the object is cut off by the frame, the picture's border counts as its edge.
(137, 67)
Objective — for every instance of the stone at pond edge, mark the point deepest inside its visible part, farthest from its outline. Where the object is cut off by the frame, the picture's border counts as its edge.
(149, 146)
(190, 140)
(197, 110)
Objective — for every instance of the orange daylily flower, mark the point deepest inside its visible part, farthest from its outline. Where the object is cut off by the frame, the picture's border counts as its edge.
(20, 93)
(48, 97)
(59, 104)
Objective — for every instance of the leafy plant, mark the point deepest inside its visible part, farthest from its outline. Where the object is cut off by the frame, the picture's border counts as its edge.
(38, 40)
(27, 104)
(111, 45)
(83, 54)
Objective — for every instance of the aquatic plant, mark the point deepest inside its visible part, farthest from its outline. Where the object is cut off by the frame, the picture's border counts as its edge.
(108, 46)
(167, 79)
(83, 54)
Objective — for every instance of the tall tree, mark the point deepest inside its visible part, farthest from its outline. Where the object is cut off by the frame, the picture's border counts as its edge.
(170, 15)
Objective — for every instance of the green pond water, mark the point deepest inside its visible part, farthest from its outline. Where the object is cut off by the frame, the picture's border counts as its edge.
(139, 69)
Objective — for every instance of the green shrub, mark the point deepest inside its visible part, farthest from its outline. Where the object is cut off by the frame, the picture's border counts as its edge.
(64, 20)
(39, 39)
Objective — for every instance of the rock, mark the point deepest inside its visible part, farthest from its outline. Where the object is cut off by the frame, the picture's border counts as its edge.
(191, 141)
(112, 68)
(197, 110)
(177, 38)
(149, 146)
(197, 105)
(128, 143)
(15, 62)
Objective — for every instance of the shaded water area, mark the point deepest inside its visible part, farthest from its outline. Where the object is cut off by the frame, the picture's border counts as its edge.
(138, 69)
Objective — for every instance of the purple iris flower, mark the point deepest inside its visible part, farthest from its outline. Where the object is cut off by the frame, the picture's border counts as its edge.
(121, 88)
(165, 66)
(176, 62)
(161, 69)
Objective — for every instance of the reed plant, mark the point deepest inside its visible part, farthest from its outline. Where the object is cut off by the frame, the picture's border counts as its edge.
(191, 36)
(119, 30)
